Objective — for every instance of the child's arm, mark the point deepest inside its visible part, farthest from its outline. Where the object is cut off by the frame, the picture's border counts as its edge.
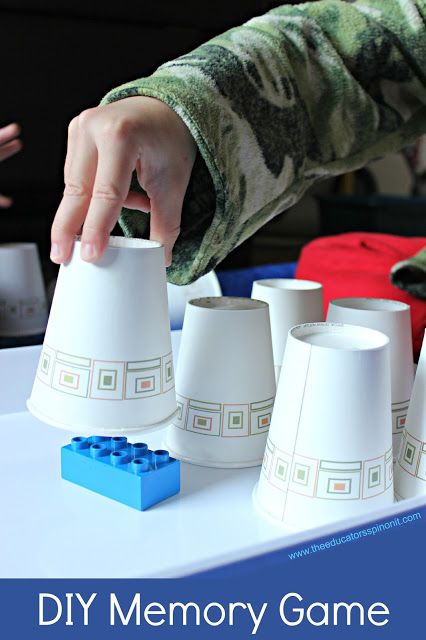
(291, 97)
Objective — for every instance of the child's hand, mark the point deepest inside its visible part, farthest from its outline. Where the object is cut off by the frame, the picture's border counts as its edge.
(105, 145)
(9, 145)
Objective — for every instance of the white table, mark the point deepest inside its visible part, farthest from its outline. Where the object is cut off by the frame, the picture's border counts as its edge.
(52, 528)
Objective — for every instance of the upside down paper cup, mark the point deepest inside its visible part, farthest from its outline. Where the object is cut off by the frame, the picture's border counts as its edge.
(225, 383)
(393, 319)
(291, 302)
(329, 450)
(410, 469)
(106, 363)
(23, 310)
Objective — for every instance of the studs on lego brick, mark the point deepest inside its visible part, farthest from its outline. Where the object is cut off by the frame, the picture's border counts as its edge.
(119, 457)
(79, 443)
(118, 442)
(160, 457)
(139, 449)
(140, 465)
(98, 450)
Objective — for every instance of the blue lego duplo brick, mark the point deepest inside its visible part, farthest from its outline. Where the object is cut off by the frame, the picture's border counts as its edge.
(129, 473)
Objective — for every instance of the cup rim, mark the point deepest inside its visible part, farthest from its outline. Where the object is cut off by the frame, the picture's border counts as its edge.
(123, 242)
(370, 305)
(288, 284)
(240, 303)
(311, 328)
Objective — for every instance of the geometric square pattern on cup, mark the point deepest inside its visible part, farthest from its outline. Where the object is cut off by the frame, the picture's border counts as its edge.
(389, 461)
(204, 417)
(303, 472)
(13, 310)
(267, 458)
(168, 374)
(235, 420)
(182, 405)
(399, 416)
(374, 477)
(107, 380)
(45, 367)
(339, 480)
(421, 470)
(409, 453)
(143, 379)
(279, 471)
(328, 479)
(340, 486)
(71, 374)
(260, 416)
(145, 384)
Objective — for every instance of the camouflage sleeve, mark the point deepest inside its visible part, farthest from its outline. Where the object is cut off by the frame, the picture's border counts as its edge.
(293, 96)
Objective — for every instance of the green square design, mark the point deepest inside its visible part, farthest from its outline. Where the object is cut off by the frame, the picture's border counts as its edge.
(45, 363)
(69, 379)
(202, 422)
(409, 453)
(107, 380)
(235, 420)
(281, 469)
(374, 477)
(301, 474)
(180, 409)
(169, 372)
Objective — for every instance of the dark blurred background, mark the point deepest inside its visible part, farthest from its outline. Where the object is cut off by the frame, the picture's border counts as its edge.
(58, 58)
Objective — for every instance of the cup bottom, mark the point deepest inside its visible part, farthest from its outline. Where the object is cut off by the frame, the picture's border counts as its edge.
(214, 465)
(99, 431)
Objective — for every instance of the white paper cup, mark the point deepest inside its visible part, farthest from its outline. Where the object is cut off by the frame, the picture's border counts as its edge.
(106, 365)
(224, 382)
(393, 319)
(23, 309)
(291, 302)
(178, 296)
(329, 450)
(410, 469)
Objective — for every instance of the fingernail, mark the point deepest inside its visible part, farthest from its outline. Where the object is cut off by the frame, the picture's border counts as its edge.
(87, 251)
(55, 252)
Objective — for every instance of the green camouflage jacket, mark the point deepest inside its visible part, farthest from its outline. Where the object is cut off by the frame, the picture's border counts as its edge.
(291, 97)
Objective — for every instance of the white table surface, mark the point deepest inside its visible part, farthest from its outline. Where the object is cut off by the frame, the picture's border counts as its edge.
(52, 528)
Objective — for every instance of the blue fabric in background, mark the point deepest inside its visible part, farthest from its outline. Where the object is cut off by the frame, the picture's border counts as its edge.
(238, 282)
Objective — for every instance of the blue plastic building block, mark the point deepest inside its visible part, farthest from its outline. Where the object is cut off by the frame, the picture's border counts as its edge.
(117, 469)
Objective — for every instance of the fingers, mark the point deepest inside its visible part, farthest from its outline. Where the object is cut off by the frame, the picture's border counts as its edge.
(9, 149)
(9, 132)
(5, 202)
(116, 160)
(166, 211)
(138, 201)
(79, 174)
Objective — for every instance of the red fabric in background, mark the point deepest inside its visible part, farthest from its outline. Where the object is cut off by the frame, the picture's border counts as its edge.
(358, 265)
